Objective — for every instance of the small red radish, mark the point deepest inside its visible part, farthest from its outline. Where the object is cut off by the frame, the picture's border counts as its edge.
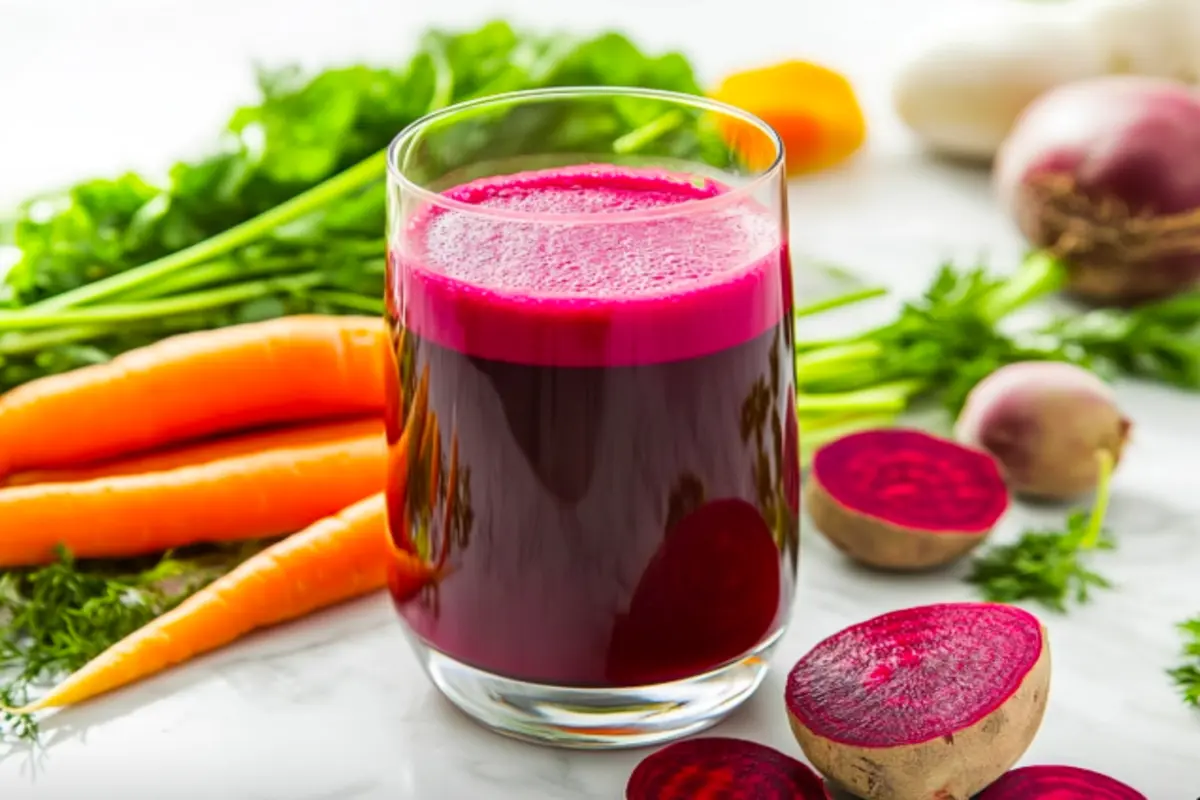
(718, 768)
(1105, 173)
(929, 702)
(1048, 423)
(904, 499)
(1044, 782)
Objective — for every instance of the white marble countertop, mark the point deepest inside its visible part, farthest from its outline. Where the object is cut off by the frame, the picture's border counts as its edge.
(335, 706)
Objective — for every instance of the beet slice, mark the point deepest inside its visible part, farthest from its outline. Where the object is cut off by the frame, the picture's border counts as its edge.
(1052, 782)
(934, 701)
(711, 592)
(903, 499)
(720, 768)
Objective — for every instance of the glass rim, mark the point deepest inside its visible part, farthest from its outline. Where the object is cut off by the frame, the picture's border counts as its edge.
(732, 196)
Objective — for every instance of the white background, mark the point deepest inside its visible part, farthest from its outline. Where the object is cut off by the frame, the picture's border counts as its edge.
(335, 707)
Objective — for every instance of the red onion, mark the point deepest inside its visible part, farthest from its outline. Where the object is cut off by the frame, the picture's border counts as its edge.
(1105, 173)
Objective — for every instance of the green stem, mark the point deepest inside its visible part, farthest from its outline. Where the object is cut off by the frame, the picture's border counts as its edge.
(1091, 536)
(194, 278)
(360, 175)
(837, 301)
(20, 343)
(638, 138)
(153, 309)
(357, 302)
(444, 79)
(892, 397)
(831, 362)
(218, 272)
(1040, 274)
(809, 345)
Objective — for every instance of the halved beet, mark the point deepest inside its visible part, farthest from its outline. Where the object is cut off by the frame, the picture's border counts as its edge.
(718, 768)
(711, 592)
(904, 499)
(929, 702)
(1047, 782)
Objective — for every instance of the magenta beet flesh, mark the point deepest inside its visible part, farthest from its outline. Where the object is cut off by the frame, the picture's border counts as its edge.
(913, 480)
(1058, 783)
(717, 768)
(914, 675)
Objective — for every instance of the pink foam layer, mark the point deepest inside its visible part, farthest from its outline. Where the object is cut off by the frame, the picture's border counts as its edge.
(580, 290)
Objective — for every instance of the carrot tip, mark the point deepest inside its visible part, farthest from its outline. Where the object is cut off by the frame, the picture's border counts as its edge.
(20, 711)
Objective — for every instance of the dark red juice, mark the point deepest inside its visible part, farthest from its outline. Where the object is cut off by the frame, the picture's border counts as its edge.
(592, 437)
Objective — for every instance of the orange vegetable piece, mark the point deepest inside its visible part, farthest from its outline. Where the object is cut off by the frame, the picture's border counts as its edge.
(813, 109)
(336, 559)
(254, 496)
(206, 450)
(193, 385)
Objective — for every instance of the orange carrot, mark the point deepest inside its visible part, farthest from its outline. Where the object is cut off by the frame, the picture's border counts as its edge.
(338, 558)
(814, 110)
(252, 496)
(206, 450)
(194, 385)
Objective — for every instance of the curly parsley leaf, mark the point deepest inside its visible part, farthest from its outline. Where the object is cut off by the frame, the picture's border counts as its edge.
(1050, 567)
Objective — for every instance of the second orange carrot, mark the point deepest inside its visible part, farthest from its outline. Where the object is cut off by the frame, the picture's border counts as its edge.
(206, 450)
(253, 496)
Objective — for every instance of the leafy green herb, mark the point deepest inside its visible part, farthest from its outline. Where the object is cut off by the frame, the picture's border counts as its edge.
(56, 618)
(1158, 341)
(1049, 567)
(939, 346)
(950, 338)
(286, 215)
(1187, 675)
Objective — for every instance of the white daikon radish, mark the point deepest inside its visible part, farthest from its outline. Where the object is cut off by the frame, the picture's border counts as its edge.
(962, 88)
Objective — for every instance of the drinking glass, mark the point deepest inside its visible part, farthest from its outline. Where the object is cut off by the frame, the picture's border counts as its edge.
(593, 482)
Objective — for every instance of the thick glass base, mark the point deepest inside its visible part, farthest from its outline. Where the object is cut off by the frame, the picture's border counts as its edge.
(597, 718)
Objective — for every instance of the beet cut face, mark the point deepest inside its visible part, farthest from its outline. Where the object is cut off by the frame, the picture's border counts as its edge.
(1046, 782)
(913, 480)
(905, 500)
(914, 675)
(719, 768)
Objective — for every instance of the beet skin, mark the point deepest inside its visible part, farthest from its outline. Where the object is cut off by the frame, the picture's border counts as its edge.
(904, 499)
(1046, 422)
(1105, 173)
(934, 701)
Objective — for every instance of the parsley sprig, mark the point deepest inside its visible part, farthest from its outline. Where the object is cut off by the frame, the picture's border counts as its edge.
(55, 618)
(1159, 341)
(941, 344)
(1186, 676)
(1050, 567)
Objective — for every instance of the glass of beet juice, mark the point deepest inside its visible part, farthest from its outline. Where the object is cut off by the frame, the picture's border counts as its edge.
(594, 474)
